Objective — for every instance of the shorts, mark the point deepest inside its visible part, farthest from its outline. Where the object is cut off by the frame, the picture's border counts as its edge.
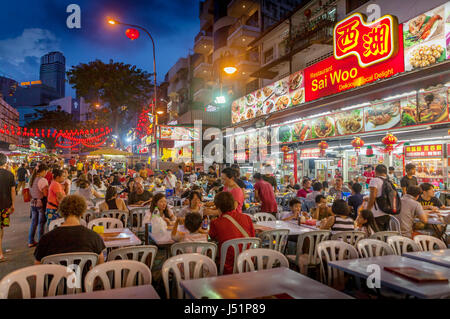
(4, 217)
(51, 214)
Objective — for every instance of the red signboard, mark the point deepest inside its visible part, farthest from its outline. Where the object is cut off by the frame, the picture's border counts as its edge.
(371, 43)
(332, 76)
(434, 150)
(310, 153)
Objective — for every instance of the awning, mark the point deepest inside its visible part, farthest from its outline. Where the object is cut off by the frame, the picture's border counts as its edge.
(110, 151)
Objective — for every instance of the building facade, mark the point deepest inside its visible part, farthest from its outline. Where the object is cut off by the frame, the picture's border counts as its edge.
(53, 71)
(9, 116)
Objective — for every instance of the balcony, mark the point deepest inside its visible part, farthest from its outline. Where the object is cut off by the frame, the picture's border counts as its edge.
(203, 43)
(202, 95)
(249, 64)
(206, 13)
(240, 34)
(177, 70)
(203, 70)
(238, 8)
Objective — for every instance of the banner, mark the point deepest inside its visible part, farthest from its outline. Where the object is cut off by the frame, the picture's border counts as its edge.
(177, 133)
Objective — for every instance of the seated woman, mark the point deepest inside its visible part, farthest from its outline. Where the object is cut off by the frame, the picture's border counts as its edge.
(195, 205)
(159, 205)
(70, 237)
(85, 190)
(130, 187)
(98, 185)
(193, 223)
(112, 201)
(341, 221)
(366, 222)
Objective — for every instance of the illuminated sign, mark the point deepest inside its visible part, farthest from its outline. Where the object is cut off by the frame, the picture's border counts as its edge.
(371, 43)
(307, 153)
(178, 133)
(31, 83)
(434, 150)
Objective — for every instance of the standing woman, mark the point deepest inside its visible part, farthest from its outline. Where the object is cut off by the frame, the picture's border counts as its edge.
(231, 186)
(55, 195)
(38, 192)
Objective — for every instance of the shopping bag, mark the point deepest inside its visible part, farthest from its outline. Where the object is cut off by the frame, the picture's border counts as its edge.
(26, 195)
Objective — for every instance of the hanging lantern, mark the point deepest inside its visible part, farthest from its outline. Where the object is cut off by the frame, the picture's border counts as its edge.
(389, 140)
(369, 151)
(285, 149)
(307, 13)
(323, 145)
(357, 143)
(133, 34)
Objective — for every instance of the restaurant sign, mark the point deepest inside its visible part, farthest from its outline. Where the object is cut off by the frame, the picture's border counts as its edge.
(307, 153)
(434, 150)
(178, 133)
(371, 43)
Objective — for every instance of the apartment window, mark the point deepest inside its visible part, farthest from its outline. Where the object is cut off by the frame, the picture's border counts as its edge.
(268, 55)
(354, 4)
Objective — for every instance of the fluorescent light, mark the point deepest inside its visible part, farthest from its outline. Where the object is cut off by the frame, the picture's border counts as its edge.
(318, 115)
(355, 106)
(394, 97)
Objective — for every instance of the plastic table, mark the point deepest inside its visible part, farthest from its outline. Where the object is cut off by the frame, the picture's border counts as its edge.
(439, 257)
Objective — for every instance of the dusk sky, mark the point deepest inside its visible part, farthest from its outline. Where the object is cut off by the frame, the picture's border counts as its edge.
(30, 29)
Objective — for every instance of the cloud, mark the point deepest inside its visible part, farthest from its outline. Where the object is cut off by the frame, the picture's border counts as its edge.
(32, 43)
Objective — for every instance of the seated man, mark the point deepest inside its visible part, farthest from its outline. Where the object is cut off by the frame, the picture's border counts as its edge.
(139, 196)
(70, 237)
(229, 225)
(410, 209)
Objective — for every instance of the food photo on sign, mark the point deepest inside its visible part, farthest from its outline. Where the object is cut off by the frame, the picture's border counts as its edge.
(382, 116)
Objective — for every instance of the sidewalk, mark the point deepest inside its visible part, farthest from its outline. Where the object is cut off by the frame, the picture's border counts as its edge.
(16, 239)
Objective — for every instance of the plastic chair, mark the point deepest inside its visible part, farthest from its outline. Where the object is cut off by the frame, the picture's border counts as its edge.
(62, 279)
(117, 214)
(238, 245)
(394, 224)
(88, 216)
(108, 223)
(349, 237)
(261, 258)
(78, 262)
(136, 218)
(303, 261)
(58, 222)
(253, 210)
(263, 217)
(203, 248)
(145, 254)
(400, 244)
(333, 250)
(180, 266)
(427, 243)
(383, 235)
(254, 220)
(276, 238)
(373, 248)
(125, 273)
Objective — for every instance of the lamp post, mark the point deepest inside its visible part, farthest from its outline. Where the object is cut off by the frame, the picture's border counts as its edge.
(113, 22)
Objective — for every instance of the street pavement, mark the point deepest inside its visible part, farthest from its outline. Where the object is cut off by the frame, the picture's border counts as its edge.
(15, 239)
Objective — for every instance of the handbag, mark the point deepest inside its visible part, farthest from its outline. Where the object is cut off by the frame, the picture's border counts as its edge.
(26, 195)
(235, 223)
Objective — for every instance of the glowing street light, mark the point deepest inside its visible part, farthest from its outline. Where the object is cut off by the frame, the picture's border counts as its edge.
(230, 69)
(111, 21)
(160, 112)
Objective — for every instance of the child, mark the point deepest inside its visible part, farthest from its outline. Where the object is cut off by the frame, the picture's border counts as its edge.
(356, 199)
(296, 208)
(366, 222)
(321, 210)
(341, 221)
(193, 223)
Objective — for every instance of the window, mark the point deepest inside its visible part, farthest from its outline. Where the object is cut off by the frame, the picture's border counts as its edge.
(268, 55)
(354, 4)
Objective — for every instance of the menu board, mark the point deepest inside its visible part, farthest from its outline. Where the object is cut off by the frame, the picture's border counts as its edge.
(178, 133)
(426, 38)
(277, 96)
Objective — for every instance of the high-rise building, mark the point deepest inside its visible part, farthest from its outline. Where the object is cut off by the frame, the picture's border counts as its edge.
(7, 86)
(53, 71)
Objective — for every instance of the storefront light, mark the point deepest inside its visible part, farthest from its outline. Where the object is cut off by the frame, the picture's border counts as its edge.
(318, 115)
(398, 96)
(355, 106)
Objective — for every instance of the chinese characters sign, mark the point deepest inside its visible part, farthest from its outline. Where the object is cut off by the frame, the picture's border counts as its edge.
(434, 150)
(310, 153)
(371, 42)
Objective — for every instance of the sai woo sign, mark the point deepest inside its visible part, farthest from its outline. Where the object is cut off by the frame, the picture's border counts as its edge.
(363, 53)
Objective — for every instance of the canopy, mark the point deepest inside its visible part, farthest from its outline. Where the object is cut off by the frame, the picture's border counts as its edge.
(110, 151)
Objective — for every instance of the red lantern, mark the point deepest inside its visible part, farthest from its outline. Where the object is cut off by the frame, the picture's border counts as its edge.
(307, 13)
(369, 151)
(389, 140)
(323, 145)
(133, 34)
(285, 149)
(357, 143)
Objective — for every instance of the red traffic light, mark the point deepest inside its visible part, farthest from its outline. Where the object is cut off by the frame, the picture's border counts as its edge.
(133, 34)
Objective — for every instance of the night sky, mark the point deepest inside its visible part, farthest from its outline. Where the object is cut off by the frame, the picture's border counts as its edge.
(30, 29)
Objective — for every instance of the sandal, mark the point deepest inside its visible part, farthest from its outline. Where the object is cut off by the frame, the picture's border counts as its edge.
(32, 245)
(3, 259)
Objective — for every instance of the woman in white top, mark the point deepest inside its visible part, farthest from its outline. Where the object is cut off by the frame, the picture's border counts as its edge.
(98, 184)
(159, 204)
(195, 205)
(85, 190)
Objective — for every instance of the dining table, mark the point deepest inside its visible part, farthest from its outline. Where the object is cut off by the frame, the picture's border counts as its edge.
(293, 227)
(439, 257)
(275, 283)
(120, 237)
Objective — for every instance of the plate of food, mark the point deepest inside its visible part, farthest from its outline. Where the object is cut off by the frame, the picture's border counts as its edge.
(424, 27)
(284, 134)
(281, 88)
(426, 54)
(382, 116)
(298, 97)
(323, 127)
(235, 106)
(259, 95)
(250, 114)
(250, 99)
(300, 131)
(268, 91)
(242, 119)
(235, 118)
(268, 106)
(295, 81)
(349, 122)
(432, 106)
(409, 114)
(282, 102)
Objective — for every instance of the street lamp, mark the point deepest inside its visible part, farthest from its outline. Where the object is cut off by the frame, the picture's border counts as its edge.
(113, 22)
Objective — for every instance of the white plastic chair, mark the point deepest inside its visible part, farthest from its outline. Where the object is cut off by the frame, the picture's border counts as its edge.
(145, 254)
(276, 238)
(259, 259)
(373, 248)
(136, 219)
(180, 265)
(303, 261)
(62, 278)
(58, 222)
(333, 250)
(125, 273)
(383, 235)
(254, 220)
(108, 223)
(428, 243)
(88, 216)
(204, 248)
(349, 237)
(400, 244)
(238, 245)
(117, 214)
(263, 217)
(394, 224)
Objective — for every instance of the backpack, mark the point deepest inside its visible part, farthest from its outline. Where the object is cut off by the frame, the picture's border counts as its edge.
(389, 202)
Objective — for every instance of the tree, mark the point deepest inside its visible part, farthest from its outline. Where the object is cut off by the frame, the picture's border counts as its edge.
(121, 88)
